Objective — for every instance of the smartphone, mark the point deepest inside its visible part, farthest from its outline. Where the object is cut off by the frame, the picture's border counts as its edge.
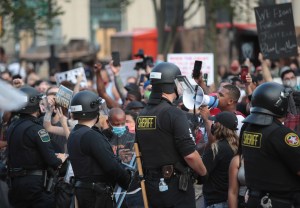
(244, 72)
(205, 77)
(142, 78)
(116, 58)
(129, 145)
(197, 69)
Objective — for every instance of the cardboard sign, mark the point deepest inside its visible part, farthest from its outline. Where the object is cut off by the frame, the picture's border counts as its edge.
(276, 31)
(71, 76)
(64, 97)
(185, 62)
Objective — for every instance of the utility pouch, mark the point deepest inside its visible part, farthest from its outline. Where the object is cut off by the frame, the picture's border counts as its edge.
(167, 171)
(184, 181)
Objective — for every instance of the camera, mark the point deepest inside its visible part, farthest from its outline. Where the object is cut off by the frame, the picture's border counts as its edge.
(147, 60)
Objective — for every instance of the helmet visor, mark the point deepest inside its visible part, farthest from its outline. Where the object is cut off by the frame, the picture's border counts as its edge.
(183, 85)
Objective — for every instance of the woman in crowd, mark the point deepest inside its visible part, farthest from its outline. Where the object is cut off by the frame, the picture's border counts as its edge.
(217, 159)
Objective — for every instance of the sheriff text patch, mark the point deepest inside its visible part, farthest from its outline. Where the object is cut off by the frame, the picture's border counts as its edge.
(146, 122)
(251, 139)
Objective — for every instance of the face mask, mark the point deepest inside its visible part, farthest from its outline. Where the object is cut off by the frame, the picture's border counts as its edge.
(290, 83)
(212, 129)
(147, 94)
(118, 130)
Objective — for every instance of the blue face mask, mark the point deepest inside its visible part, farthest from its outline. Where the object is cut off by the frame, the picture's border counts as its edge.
(118, 130)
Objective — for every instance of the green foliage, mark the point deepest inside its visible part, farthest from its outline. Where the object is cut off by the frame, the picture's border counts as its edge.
(34, 16)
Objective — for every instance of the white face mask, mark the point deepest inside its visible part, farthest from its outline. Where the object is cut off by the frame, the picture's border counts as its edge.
(290, 83)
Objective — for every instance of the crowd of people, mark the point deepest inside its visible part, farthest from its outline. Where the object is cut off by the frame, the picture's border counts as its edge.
(243, 153)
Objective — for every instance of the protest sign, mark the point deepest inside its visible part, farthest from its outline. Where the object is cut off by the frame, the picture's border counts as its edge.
(71, 76)
(64, 97)
(276, 31)
(185, 62)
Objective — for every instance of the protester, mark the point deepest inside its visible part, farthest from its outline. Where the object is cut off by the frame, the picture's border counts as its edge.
(217, 159)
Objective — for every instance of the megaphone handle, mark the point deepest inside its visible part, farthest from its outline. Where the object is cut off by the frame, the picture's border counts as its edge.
(196, 90)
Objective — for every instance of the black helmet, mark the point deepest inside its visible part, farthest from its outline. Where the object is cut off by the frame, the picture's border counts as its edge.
(162, 77)
(268, 100)
(85, 105)
(33, 100)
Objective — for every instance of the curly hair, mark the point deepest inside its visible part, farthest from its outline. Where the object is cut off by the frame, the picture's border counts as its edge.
(221, 132)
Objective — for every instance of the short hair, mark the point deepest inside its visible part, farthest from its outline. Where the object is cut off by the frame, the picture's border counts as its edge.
(115, 111)
(234, 91)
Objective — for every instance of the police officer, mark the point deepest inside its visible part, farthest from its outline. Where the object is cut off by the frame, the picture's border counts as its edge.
(30, 155)
(166, 144)
(95, 167)
(271, 151)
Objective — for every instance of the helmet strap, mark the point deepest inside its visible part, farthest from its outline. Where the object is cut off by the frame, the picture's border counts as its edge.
(98, 114)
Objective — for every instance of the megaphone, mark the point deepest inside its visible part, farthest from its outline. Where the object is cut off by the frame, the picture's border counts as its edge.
(193, 100)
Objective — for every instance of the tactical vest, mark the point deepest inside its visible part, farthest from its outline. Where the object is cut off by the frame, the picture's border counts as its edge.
(22, 154)
(156, 143)
(264, 169)
(82, 164)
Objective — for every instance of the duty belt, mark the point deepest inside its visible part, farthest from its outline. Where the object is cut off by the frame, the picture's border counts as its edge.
(21, 172)
(98, 187)
(260, 194)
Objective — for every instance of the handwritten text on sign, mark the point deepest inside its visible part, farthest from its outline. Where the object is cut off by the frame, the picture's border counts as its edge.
(276, 31)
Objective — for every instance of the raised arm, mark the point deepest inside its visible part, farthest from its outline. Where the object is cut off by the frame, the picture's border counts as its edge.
(101, 88)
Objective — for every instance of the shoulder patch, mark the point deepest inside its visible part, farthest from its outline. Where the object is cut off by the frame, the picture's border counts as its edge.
(292, 140)
(146, 122)
(44, 136)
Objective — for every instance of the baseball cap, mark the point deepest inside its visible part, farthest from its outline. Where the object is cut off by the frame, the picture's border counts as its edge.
(134, 105)
(132, 87)
(227, 119)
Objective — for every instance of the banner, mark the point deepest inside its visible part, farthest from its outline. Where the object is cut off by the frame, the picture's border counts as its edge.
(185, 62)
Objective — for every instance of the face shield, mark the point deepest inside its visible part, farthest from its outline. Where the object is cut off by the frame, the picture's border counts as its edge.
(103, 110)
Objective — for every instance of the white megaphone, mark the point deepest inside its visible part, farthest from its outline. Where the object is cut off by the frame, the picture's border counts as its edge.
(193, 95)
(197, 98)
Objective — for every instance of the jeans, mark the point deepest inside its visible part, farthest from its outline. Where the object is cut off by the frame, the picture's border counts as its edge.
(218, 205)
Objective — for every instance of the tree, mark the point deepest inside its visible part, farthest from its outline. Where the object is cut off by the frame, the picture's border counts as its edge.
(33, 16)
(167, 40)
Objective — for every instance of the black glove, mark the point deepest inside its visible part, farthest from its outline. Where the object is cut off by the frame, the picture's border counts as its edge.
(296, 96)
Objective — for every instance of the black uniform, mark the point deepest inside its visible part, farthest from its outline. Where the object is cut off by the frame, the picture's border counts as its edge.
(95, 167)
(30, 154)
(164, 138)
(272, 160)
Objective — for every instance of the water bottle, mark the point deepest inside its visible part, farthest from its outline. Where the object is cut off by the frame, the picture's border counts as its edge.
(162, 185)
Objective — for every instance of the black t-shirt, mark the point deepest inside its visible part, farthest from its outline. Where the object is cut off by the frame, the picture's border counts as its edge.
(215, 185)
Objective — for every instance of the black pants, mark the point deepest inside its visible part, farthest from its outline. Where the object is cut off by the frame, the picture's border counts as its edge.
(254, 202)
(28, 191)
(88, 198)
(173, 197)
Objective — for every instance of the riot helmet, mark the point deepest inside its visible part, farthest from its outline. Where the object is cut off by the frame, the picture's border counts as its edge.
(162, 79)
(33, 98)
(268, 100)
(85, 105)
